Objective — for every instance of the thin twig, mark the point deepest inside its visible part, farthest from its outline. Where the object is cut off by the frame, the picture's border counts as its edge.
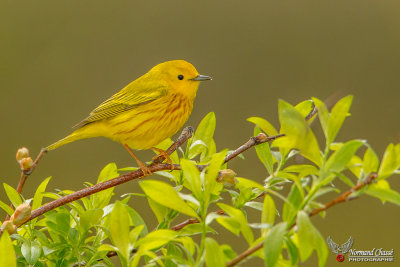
(253, 141)
(99, 187)
(244, 254)
(185, 135)
(25, 173)
(179, 226)
(117, 181)
(24, 176)
(342, 198)
(345, 196)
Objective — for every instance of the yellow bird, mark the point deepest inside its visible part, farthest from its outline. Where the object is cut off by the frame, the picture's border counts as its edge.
(147, 111)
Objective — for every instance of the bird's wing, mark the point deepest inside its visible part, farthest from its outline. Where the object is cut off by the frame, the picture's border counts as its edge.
(346, 246)
(126, 99)
(332, 245)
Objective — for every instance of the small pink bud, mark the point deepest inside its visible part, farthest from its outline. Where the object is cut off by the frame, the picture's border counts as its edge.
(22, 214)
(22, 153)
(26, 163)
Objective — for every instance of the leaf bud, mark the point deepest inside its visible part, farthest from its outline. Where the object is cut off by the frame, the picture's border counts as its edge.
(22, 153)
(26, 163)
(9, 226)
(227, 176)
(22, 214)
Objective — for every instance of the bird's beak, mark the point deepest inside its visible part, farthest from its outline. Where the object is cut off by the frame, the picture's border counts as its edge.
(202, 78)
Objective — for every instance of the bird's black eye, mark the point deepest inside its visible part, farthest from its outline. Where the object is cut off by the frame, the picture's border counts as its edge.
(180, 77)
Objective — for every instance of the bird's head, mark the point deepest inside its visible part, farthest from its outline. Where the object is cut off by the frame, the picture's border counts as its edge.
(180, 76)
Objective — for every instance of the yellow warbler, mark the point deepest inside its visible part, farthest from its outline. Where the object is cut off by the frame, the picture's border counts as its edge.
(147, 111)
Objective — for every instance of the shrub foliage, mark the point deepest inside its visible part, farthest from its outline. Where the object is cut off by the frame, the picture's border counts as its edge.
(94, 229)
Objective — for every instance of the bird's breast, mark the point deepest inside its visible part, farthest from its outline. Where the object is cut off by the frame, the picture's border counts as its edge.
(147, 125)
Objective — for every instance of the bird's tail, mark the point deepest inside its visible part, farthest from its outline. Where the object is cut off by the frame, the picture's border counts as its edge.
(70, 138)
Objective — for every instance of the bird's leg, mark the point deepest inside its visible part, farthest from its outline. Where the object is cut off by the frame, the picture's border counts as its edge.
(146, 171)
(162, 154)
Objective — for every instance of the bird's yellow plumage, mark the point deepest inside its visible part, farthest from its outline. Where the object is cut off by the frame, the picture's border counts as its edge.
(147, 111)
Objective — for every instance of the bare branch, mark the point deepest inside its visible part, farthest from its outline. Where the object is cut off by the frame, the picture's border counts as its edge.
(345, 196)
(253, 141)
(244, 254)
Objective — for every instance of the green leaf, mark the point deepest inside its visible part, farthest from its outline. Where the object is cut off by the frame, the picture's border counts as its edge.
(159, 210)
(58, 224)
(101, 199)
(355, 165)
(192, 178)
(293, 204)
(165, 195)
(255, 205)
(7, 253)
(107, 247)
(305, 107)
(292, 250)
(136, 232)
(247, 183)
(338, 114)
(390, 161)
(268, 212)
(370, 161)
(302, 169)
(273, 244)
(173, 255)
(211, 175)
(309, 239)
(90, 218)
(240, 217)
(6, 208)
(338, 160)
(156, 239)
(345, 179)
(12, 195)
(188, 244)
(298, 133)
(73, 237)
(214, 255)
(136, 219)
(63, 220)
(38, 197)
(382, 190)
(246, 194)
(323, 115)
(230, 224)
(31, 251)
(229, 253)
(211, 150)
(204, 132)
(264, 153)
(264, 125)
(119, 229)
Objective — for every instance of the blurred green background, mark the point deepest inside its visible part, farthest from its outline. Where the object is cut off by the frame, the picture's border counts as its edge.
(60, 59)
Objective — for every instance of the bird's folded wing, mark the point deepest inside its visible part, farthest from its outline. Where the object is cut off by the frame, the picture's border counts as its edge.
(127, 99)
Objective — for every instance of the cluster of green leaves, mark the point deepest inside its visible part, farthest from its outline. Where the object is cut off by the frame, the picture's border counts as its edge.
(85, 232)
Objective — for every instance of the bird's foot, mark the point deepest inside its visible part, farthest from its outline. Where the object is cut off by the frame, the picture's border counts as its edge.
(146, 171)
